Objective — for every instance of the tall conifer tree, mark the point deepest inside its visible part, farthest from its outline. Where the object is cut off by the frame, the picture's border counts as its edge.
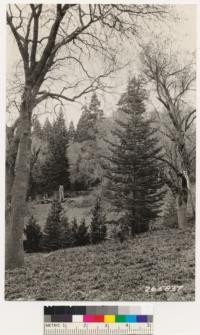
(47, 130)
(67, 238)
(87, 125)
(33, 235)
(53, 230)
(82, 234)
(56, 166)
(37, 129)
(134, 165)
(71, 132)
(85, 164)
(98, 229)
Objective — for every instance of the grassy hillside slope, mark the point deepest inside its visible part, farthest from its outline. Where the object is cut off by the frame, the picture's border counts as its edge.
(110, 271)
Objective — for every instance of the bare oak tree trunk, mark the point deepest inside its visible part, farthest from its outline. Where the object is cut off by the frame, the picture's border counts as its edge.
(192, 204)
(16, 213)
(172, 82)
(181, 212)
(181, 203)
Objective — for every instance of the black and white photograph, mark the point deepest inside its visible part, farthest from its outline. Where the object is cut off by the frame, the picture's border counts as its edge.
(100, 152)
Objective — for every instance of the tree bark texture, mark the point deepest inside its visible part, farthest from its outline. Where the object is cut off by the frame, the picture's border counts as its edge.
(181, 203)
(17, 206)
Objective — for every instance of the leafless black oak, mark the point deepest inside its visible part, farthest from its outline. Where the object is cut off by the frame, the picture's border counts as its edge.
(173, 82)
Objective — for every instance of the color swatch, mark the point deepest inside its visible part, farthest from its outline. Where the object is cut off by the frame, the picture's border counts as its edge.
(88, 314)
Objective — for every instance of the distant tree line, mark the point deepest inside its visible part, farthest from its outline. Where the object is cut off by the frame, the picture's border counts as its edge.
(51, 168)
(67, 156)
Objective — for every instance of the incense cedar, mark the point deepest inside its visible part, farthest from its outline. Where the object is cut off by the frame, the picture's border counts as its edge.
(98, 228)
(53, 230)
(55, 169)
(82, 234)
(33, 235)
(133, 166)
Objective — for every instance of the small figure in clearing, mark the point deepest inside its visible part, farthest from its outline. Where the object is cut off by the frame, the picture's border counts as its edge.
(61, 193)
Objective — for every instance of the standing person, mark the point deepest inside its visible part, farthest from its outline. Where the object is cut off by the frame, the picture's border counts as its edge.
(61, 193)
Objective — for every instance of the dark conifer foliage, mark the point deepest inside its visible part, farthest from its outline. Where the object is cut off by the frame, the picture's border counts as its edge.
(87, 125)
(53, 229)
(71, 132)
(67, 238)
(83, 131)
(98, 228)
(55, 168)
(84, 153)
(47, 130)
(94, 106)
(74, 229)
(134, 164)
(33, 236)
(37, 129)
(82, 234)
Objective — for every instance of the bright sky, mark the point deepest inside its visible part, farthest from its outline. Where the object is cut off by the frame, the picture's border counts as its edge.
(181, 33)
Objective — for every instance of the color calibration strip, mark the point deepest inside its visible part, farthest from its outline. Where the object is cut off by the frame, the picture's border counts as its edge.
(97, 320)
